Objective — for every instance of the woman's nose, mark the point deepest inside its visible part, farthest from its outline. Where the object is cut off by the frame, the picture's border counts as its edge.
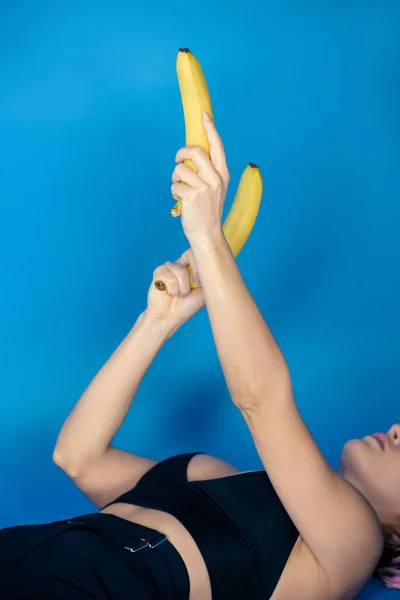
(394, 433)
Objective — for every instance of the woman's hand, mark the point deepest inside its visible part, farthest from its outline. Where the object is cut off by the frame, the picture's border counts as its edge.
(203, 193)
(177, 303)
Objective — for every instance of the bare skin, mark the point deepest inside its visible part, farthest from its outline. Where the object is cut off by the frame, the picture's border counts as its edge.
(259, 385)
(364, 464)
(301, 577)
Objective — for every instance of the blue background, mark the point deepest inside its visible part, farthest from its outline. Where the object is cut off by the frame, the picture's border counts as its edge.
(90, 121)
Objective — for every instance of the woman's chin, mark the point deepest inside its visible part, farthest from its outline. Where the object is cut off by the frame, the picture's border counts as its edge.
(353, 443)
(347, 452)
(354, 458)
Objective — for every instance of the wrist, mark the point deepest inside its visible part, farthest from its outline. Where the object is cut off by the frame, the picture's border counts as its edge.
(208, 243)
(161, 326)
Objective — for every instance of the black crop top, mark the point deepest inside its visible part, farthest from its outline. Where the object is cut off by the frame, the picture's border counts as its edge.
(241, 527)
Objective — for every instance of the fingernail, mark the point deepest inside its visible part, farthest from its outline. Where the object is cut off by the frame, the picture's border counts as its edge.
(206, 116)
(197, 280)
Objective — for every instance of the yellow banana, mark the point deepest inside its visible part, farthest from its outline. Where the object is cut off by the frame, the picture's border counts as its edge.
(196, 100)
(243, 213)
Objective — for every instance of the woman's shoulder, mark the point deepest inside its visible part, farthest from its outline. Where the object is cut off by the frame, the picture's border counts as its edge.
(303, 577)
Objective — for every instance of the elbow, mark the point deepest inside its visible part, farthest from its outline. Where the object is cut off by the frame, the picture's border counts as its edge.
(57, 459)
(64, 463)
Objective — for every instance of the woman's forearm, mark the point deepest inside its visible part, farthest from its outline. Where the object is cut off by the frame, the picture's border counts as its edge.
(100, 411)
(251, 359)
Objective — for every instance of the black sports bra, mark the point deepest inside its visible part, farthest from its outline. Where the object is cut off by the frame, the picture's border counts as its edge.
(238, 522)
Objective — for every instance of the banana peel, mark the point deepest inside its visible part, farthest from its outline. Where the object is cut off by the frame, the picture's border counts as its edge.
(196, 100)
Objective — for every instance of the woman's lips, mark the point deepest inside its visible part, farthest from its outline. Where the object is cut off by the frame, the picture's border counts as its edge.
(381, 439)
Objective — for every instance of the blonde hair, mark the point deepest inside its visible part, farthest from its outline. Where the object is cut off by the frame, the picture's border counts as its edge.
(388, 568)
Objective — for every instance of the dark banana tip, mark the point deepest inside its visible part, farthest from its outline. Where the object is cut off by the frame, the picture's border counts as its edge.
(186, 50)
(160, 285)
(253, 166)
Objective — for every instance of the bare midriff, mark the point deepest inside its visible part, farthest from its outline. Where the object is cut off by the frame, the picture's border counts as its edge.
(184, 543)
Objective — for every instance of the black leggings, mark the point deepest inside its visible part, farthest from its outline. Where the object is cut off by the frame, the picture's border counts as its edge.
(96, 556)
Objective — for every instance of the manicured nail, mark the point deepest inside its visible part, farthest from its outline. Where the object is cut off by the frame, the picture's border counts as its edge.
(206, 116)
(197, 280)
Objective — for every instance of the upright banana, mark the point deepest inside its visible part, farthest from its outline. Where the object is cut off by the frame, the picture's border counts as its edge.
(196, 100)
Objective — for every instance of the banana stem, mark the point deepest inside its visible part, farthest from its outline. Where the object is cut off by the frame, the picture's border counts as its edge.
(177, 209)
(160, 285)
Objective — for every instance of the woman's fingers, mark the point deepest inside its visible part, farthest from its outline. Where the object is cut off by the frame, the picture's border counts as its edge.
(179, 191)
(217, 151)
(207, 172)
(175, 277)
(187, 259)
(184, 173)
(208, 167)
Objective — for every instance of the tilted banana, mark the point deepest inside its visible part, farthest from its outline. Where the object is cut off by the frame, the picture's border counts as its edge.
(244, 210)
(196, 100)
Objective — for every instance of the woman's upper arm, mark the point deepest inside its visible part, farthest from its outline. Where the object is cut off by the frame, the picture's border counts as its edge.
(112, 474)
(339, 526)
